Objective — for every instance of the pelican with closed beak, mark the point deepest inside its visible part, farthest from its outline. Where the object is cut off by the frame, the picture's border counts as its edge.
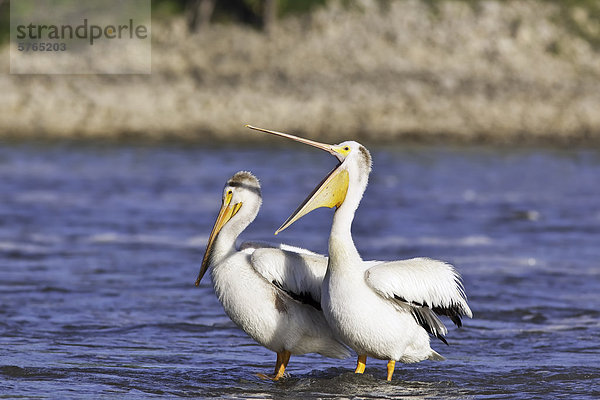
(381, 309)
(272, 292)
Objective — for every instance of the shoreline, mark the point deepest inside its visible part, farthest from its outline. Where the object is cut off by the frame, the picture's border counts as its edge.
(257, 141)
(499, 74)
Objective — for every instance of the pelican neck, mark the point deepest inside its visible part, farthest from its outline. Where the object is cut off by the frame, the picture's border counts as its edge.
(342, 250)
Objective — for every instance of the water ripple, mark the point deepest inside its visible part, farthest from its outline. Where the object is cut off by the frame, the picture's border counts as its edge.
(99, 249)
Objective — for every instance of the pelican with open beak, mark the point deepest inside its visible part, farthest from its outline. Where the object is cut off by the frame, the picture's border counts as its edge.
(272, 292)
(385, 310)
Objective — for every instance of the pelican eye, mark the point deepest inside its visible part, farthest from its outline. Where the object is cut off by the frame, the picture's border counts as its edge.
(343, 150)
(230, 192)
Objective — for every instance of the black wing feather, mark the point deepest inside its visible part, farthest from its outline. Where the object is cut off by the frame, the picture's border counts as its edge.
(302, 297)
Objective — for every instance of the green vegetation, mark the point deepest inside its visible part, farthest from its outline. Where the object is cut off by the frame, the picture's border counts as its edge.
(244, 11)
(581, 17)
(4, 21)
(227, 11)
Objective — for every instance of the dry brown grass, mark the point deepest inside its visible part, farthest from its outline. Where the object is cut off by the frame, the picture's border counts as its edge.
(500, 72)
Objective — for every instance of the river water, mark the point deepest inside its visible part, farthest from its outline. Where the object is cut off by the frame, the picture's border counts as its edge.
(100, 246)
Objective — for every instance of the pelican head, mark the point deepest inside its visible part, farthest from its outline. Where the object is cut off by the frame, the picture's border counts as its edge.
(240, 204)
(345, 184)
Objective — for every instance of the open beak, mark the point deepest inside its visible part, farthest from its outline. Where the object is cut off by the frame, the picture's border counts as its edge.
(225, 214)
(323, 146)
(331, 192)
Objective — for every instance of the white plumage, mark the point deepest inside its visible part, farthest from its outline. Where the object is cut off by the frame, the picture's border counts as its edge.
(271, 292)
(380, 309)
(297, 272)
(423, 284)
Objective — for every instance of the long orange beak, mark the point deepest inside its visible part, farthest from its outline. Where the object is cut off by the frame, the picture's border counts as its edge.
(226, 212)
(331, 192)
(323, 146)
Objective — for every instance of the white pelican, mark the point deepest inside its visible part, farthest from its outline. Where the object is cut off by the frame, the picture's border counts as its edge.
(383, 310)
(272, 293)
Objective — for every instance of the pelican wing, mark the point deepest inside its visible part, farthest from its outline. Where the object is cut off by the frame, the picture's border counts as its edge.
(250, 246)
(296, 271)
(428, 287)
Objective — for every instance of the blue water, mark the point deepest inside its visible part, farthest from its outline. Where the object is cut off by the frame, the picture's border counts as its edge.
(100, 246)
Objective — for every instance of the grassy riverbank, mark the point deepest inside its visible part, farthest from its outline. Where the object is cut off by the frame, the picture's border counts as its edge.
(485, 71)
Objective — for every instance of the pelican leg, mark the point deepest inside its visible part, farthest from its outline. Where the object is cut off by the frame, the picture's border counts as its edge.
(283, 357)
(390, 369)
(361, 364)
(278, 363)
